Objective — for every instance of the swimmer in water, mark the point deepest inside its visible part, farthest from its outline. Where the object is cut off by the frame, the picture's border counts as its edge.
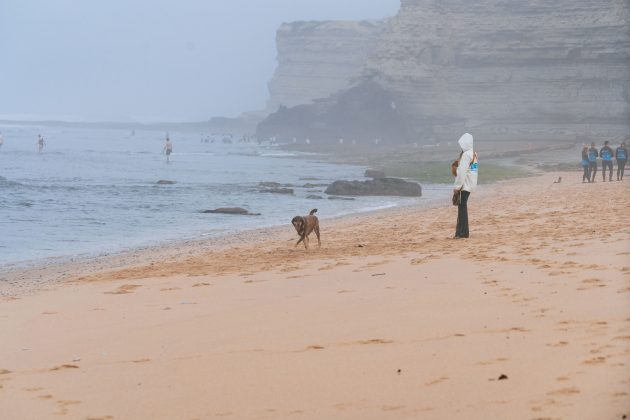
(168, 148)
(40, 143)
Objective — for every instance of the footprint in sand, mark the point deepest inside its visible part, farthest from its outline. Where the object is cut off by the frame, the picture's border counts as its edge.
(595, 361)
(374, 341)
(170, 289)
(559, 344)
(436, 381)
(64, 403)
(125, 288)
(564, 391)
(65, 366)
(314, 347)
(492, 362)
(201, 284)
(590, 284)
(392, 407)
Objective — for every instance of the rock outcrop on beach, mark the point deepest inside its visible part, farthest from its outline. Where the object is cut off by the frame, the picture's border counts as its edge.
(376, 187)
(374, 173)
(275, 188)
(231, 210)
(502, 69)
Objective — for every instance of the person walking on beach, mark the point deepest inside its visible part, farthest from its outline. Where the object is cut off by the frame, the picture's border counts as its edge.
(40, 143)
(592, 161)
(168, 148)
(621, 154)
(465, 183)
(606, 154)
(586, 177)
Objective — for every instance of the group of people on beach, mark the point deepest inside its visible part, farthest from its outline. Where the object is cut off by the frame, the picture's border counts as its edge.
(589, 161)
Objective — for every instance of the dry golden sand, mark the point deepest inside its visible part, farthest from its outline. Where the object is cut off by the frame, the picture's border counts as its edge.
(390, 319)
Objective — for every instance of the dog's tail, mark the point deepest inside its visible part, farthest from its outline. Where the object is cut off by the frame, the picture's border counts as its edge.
(313, 212)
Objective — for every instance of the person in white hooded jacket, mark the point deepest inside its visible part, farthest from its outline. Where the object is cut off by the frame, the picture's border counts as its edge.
(465, 183)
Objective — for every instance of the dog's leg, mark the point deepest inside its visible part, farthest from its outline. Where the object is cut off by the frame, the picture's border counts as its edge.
(299, 240)
(306, 242)
(319, 242)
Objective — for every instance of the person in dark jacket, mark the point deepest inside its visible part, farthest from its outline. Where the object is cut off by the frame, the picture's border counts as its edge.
(606, 153)
(592, 161)
(586, 177)
(621, 154)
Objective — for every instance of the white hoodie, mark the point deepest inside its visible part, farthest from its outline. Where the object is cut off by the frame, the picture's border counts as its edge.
(467, 170)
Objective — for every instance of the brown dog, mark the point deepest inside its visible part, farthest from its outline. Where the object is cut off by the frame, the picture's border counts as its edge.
(304, 225)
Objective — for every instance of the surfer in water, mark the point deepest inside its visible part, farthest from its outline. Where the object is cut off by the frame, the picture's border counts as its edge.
(168, 148)
(40, 143)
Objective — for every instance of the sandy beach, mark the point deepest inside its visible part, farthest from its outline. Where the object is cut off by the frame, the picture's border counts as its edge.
(529, 318)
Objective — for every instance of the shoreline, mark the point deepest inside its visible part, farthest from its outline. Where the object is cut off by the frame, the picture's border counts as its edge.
(28, 277)
(49, 270)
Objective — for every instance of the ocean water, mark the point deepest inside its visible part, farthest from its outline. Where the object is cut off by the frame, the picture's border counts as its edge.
(94, 191)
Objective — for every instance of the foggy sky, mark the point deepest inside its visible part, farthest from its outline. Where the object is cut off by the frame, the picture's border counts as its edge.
(148, 60)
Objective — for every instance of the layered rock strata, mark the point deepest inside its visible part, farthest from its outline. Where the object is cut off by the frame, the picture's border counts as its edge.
(317, 59)
(509, 69)
(502, 69)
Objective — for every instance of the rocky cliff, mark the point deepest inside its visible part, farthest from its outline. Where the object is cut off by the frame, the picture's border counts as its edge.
(317, 59)
(509, 69)
(501, 69)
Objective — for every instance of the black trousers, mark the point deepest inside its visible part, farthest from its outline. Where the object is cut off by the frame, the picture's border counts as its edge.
(587, 174)
(621, 165)
(607, 164)
(462, 216)
(592, 167)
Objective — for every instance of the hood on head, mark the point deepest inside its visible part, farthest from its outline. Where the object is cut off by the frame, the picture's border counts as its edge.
(466, 142)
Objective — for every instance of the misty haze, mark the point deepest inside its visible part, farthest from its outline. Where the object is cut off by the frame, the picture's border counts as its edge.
(357, 209)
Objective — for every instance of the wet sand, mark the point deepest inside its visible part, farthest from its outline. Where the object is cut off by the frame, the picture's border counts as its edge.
(391, 318)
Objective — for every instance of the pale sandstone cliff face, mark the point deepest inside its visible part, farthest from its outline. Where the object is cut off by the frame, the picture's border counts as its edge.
(513, 69)
(501, 69)
(317, 59)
